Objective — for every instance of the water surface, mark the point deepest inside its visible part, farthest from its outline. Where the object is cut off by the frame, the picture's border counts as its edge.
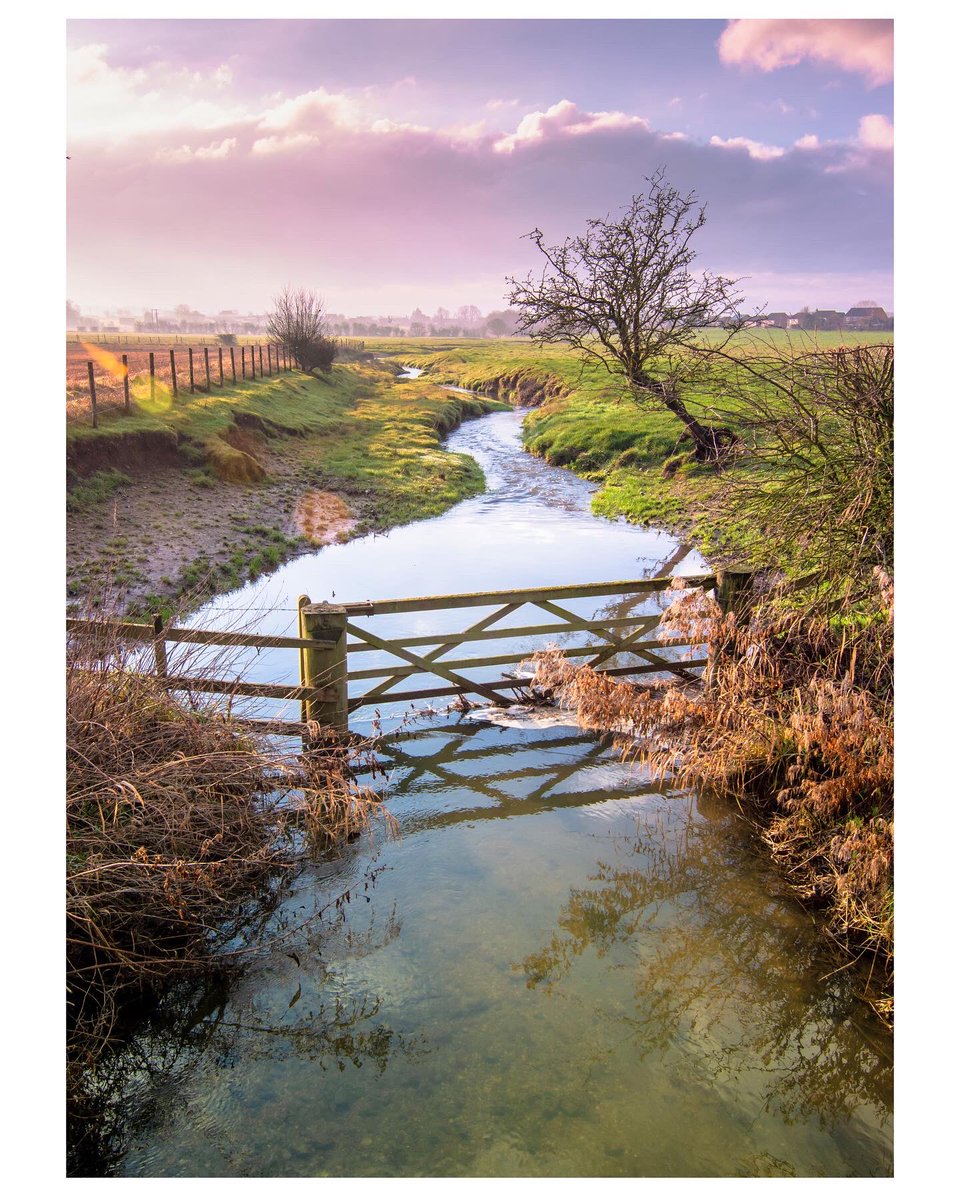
(558, 969)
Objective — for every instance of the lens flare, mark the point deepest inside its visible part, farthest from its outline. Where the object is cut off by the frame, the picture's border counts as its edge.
(108, 361)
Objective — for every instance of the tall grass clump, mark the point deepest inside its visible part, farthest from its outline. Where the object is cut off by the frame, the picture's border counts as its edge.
(795, 716)
(785, 726)
(180, 827)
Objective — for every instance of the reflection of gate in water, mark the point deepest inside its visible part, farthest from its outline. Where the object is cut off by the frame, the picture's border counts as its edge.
(515, 774)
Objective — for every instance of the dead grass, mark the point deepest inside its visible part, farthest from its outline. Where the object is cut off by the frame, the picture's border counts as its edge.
(180, 825)
(791, 723)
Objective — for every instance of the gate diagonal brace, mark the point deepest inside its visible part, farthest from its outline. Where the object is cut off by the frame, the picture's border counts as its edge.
(453, 639)
(428, 668)
(617, 643)
(620, 645)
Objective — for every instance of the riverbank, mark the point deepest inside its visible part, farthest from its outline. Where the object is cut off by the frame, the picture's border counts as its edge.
(788, 737)
(585, 420)
(387, 1047)
(195, 496)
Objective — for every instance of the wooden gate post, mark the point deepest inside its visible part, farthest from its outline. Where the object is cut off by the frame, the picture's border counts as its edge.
(324, 665)
(733, 596)
(193, 386)
(220, 361)
(233, 365)
(173, 374)
(206, 365)
(733, 591)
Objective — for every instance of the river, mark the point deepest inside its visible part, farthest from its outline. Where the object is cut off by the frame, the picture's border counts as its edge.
(557, 969)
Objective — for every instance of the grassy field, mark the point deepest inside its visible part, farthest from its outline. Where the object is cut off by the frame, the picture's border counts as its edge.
(199, 493)
(586, 420)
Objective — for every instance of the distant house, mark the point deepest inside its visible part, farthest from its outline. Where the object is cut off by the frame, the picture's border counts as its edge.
(821, 318)
(868, 318)
(777, 320)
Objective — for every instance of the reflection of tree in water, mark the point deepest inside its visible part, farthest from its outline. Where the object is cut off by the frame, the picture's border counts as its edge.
(220, 1022)
(723, 967)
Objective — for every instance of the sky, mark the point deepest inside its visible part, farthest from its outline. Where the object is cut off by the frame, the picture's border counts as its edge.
(394, 164)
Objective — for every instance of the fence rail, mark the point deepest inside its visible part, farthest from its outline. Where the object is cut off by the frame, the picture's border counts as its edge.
(328, 635)
(99, 378)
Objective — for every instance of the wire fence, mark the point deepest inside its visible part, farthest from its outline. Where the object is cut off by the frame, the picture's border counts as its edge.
(112, 374)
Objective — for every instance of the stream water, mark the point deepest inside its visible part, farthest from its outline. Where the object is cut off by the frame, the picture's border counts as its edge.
(558, 968)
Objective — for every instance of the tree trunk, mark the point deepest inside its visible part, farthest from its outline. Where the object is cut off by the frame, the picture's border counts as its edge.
(711, 443)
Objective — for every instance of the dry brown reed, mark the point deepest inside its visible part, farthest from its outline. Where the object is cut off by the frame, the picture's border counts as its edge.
(787, 724)
(179, 824)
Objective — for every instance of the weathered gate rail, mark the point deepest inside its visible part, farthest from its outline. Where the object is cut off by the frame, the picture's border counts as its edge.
(325, 651)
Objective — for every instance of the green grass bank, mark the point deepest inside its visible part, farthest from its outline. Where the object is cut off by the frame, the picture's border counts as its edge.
(585, 419)
(197, 494)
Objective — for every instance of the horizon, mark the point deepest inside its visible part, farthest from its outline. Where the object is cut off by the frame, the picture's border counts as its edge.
(213, 162)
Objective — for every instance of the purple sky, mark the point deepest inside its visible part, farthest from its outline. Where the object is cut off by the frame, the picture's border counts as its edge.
(394, 164)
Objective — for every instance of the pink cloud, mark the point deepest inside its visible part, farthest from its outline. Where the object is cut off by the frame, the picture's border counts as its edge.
(281, 143)
(308, 110)
(862, 46)
(875, 132)
(113, 104)
(185, 153)
(564, 119)
(754, 149)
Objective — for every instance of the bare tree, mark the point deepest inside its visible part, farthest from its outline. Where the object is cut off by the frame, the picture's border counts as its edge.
(299, 323)
(623, 294)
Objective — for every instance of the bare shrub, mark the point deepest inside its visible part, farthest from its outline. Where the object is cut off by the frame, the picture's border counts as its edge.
(179, 824)
(786, 730)
(299, 323)
(817, 441)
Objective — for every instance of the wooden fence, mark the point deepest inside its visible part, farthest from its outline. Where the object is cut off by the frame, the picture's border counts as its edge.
(326, 653)
(104, 382)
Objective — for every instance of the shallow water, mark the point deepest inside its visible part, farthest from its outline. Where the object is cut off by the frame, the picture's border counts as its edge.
(558, 969)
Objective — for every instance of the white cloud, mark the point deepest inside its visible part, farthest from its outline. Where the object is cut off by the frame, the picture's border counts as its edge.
(310, 109)
(862, 46)
(114, 104)
(386, 126)
(275, 144)
(564, 119)
(809, 141)
(185, 153)
(875, 132)
(754, 149)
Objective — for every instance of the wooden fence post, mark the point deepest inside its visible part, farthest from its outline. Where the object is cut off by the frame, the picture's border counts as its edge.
(206, 364)
(733, 591)
(93, 390)
(325, 665)
(193, 385)
(173, 373)
(269, 363)
(153, 377)
(243, 362)
(126, 383)
(260, 351)
(733, 596)
(159, 645)
(233, 364)
(220, 360)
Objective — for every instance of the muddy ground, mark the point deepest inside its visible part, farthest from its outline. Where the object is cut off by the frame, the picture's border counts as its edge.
(174, 534)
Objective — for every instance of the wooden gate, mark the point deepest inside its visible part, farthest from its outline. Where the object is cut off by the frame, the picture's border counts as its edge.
(427, 654)
(332, 641)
